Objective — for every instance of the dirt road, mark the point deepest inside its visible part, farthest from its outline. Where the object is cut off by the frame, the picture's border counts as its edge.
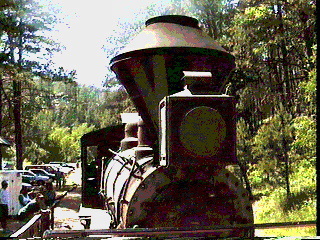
(66, 214)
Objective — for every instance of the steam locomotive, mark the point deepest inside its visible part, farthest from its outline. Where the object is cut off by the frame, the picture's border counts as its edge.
(169, 166)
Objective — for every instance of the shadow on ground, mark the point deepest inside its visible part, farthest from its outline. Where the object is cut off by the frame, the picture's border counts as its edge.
(72, 200)
(66, 213)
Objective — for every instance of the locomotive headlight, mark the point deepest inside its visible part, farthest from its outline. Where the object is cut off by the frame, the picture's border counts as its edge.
(202, 131)
(197, 129)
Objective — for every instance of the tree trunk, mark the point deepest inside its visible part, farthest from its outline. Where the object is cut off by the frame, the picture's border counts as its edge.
(286, 94)
(17, 104)
(287, 175)
(245, 178)
(17, 122)
(1, 87)
(16, 87)
(285, 158)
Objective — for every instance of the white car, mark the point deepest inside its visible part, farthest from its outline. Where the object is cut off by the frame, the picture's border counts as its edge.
(30, 177)
(63, 167)
(64, 170)
(41, 172)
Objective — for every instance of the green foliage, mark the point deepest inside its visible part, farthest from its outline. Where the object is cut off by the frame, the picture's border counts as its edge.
(8, 153)
(309, 90)
(244, 142)
(275, 205)
(275, 43)
(304, 145)
(273, 209)
(68, 140)
(34, 153)
(304, 177)
(269, 151)
(115, 103)
(23, 43)
(23, 33)
(270, 146)
(59, 113)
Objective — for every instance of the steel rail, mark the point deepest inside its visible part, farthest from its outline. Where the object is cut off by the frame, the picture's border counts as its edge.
(183, 231)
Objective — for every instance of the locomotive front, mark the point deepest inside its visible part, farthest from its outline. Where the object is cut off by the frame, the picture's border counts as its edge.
(171, 170)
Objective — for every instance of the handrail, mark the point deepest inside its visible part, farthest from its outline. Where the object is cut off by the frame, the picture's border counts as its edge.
(35, 227)
(29, 228)
(160, 232)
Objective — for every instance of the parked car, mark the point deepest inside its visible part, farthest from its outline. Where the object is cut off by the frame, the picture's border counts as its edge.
(69, 165)
(45, 167)
(28, 178)
(27, 186)
(32, 178)
(7, 166)
(41, 172)
(63, 167)
(63, 164)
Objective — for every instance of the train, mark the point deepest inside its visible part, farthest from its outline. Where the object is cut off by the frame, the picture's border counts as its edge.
(168, 166)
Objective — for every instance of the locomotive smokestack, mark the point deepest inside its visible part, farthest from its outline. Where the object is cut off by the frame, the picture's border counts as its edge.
(151, 66)
(176, 19)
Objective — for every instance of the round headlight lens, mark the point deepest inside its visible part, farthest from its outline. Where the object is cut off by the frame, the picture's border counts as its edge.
(202, 131)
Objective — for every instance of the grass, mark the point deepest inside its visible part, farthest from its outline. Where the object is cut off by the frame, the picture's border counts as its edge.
(276, 207)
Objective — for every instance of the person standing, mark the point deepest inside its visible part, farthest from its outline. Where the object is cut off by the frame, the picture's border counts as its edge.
(49, 194)
(59, 178)
(4, 203)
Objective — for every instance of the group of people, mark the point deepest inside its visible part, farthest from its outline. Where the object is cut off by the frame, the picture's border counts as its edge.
(31, 201)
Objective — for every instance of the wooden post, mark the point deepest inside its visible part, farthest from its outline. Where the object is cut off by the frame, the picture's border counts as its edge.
(52, 218)
(45, 220)
(84, 156)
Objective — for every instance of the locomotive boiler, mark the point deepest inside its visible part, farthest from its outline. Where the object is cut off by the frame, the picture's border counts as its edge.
(171, 166)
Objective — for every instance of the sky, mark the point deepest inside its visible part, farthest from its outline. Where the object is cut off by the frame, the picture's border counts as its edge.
(83, 34)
